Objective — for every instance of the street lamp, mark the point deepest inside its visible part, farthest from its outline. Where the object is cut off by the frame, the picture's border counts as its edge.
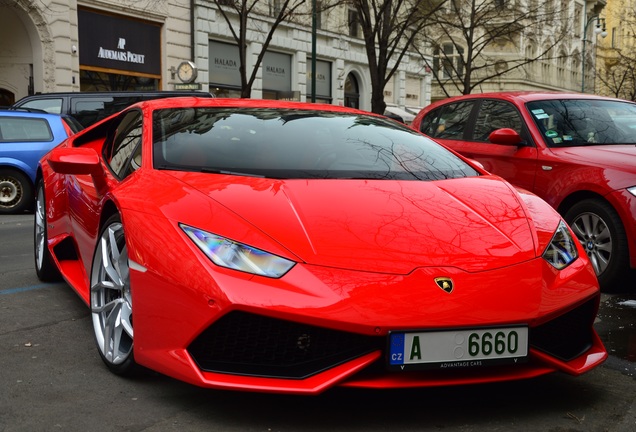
(599, 29)
(313, 50)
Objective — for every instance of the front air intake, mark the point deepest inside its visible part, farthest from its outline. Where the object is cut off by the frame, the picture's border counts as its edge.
(248, 344)
(566, 336)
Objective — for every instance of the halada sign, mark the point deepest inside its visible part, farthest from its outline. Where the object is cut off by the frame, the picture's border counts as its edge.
(119, 43)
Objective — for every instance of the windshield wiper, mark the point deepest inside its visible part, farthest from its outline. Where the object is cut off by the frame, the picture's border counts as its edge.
(228, 172)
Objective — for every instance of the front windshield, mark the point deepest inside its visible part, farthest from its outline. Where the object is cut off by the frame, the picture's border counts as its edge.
(283, 143)
(578, 122)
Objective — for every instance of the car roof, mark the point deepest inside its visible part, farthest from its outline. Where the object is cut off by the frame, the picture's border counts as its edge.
(527, 96)
(115, 93)
(195, 102)
(33, 113)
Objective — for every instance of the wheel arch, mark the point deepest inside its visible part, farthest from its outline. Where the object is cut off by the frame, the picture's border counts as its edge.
(578, 196)
(21, 170)
(109, 209)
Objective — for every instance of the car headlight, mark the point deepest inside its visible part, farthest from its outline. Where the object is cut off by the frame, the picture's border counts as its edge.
(562, 249)
(230, 254)
(632, 190)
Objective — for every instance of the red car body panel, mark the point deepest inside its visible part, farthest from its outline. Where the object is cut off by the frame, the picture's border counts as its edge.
(367, 254)
(555, 174)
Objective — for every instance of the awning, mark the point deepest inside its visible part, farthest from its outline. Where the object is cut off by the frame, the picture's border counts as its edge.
(406, 116)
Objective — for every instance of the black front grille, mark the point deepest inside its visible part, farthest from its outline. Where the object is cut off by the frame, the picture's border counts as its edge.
(248, 344)
(569, 335)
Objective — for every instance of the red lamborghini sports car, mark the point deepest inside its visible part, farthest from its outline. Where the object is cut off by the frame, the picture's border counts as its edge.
(289, 247)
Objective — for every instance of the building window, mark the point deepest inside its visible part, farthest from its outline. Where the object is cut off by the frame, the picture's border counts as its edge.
(318, 14)
(274, 7)
(448, 61)
(578, 12)
(354, 23)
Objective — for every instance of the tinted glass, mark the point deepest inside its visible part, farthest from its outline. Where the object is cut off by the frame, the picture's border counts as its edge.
(21, 129)
(297, 144)
(124, 156)
(51, 105)
(449, 121)
(577, 122)
(495, 115)
(88, 111)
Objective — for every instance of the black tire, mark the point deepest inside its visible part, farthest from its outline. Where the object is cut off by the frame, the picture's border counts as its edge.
(44, 264)
(111, 297)
(600, 230)
(16, 192)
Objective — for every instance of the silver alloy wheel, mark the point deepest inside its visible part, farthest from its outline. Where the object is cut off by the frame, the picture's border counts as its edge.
(596, 238)
(111, 302)
(10, 191)
(40, 220)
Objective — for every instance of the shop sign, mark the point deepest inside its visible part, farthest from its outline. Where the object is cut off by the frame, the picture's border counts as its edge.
(323, 78)
(187, 86)
(119, 43)
(224, 64)
(277, 71)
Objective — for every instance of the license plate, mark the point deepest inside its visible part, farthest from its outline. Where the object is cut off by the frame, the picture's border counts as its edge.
(457, 348)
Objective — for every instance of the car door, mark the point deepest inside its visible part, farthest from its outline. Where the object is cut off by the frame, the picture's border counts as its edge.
(122, 155)
(515, 163)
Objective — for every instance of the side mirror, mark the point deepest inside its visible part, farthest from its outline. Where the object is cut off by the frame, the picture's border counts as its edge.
(74, 160)
(505, 136)
(477, 163)
(78, 161)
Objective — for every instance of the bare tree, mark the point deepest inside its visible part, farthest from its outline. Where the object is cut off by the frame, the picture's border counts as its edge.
(244, 11)
(618, 77)
(477, 41)
(389, 29)
(616, 74)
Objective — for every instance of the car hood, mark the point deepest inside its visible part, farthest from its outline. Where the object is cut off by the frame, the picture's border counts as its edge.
(618, 156)
(381, 226)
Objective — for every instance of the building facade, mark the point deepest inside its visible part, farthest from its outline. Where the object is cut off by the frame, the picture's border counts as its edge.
(53, 45)
(48, 46)
(551, 29)
(616, 63)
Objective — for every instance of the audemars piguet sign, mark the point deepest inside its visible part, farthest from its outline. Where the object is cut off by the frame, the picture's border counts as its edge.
(120, 43)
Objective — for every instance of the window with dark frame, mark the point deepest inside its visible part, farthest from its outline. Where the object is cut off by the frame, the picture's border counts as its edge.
(354, 23)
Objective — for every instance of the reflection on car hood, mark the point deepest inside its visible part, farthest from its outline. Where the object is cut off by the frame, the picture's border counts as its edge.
(619, 156)
(382, 226)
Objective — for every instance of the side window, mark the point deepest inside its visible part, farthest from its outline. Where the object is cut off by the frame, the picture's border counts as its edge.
(448, 121)
(430, 122)
(124, 154)
(495, 115)
(88, 110)
(23, 129)
(50, 105)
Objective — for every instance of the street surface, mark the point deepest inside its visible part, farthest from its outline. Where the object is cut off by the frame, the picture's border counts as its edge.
(52, 379)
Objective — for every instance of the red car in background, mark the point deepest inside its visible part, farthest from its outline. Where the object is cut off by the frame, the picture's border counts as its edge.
(575, 151)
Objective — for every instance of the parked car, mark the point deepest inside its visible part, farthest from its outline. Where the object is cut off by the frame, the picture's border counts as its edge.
(288, 247)
(25, 136)
(575, 151)
(90, 107)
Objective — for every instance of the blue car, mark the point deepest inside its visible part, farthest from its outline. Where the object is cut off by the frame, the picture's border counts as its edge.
(25, 136)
